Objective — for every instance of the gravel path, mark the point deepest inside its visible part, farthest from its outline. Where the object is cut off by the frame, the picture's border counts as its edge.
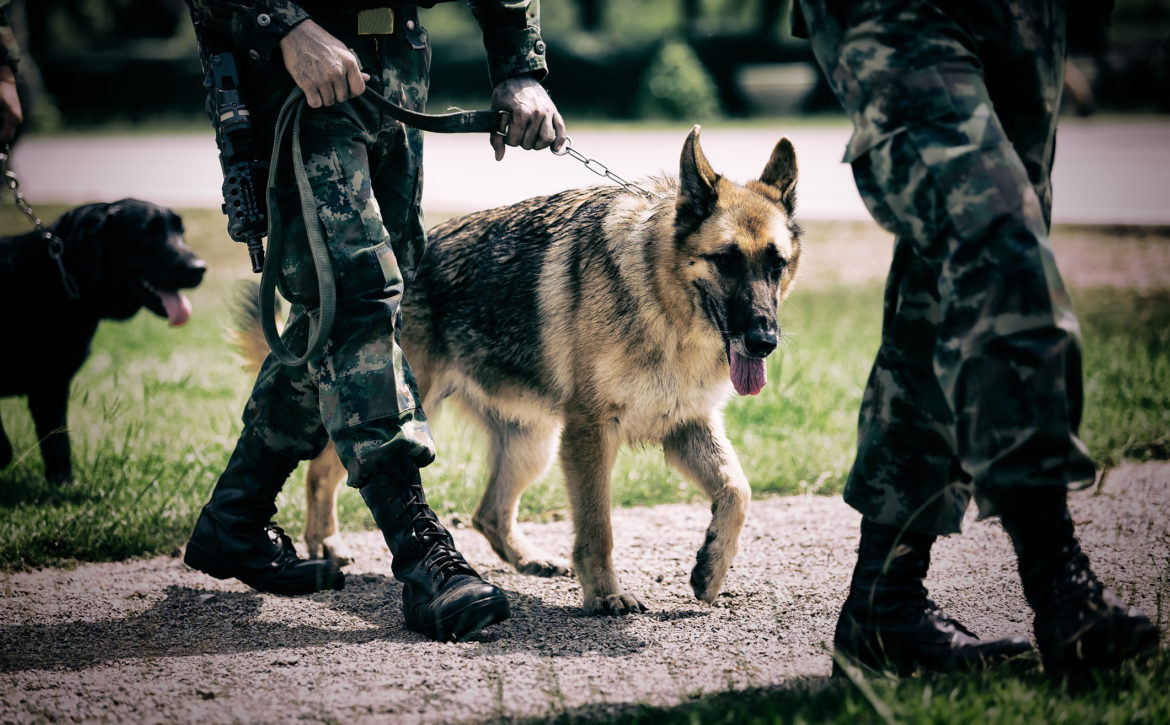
(152, 641)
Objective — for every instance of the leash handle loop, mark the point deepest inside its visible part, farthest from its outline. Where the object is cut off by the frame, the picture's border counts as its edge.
(321, 322)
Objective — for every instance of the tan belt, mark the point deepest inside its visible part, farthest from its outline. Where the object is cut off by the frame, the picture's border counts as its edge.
(375, 21)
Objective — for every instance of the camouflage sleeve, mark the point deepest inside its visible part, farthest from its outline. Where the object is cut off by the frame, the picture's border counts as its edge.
(511, 35)
(255, 26)
(9, 50)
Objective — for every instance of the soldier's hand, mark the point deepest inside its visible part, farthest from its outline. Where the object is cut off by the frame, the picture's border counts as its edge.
(321, 65)
(533, 121)
(11, 115)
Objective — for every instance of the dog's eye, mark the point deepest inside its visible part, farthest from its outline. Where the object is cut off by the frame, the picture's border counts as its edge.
(726, 262)
(776, 263)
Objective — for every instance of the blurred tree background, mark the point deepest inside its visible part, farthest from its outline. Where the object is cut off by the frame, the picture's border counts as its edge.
(101, 62)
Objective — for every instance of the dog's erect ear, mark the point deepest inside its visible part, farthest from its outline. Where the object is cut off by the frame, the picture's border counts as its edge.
(781, 173)
(696, 185)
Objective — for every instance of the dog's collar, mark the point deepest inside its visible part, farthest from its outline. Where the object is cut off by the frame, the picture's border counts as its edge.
(56, 251)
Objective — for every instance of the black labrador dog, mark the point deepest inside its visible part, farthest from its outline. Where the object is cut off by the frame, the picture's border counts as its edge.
(115, 259)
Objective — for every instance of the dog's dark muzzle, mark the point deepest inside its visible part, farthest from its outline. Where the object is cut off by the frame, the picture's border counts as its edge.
(189, 274)
(184, 270)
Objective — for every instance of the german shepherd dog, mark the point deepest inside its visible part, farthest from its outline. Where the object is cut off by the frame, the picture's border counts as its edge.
(597, 317)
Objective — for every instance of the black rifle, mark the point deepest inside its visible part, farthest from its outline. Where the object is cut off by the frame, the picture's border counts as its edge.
(243, 161)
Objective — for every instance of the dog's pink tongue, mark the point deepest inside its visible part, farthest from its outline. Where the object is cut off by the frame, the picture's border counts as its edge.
(748, 374)
(178, 307)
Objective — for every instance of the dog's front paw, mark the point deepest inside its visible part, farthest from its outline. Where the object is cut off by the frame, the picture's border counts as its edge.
(615, 605)
(336, 551)
(706, 579)
(547, 567)
(331, 548)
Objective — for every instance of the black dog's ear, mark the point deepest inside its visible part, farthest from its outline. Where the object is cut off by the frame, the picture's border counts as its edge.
(81, 223)
(697, 185)
(781, 174)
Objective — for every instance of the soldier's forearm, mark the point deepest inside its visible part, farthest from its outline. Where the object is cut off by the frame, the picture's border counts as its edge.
(511, 36)
(253, 26)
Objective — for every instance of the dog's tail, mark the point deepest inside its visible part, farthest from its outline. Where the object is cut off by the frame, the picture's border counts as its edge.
(246, 334)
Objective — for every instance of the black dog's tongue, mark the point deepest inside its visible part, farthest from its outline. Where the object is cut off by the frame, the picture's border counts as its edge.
(178, 307)
(748, 374)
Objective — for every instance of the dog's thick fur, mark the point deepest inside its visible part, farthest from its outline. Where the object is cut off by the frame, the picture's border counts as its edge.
(598, 317)
(123, 256)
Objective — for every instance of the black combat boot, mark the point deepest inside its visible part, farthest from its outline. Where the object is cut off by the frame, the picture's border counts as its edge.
(1079, 624)
(889, 624)
(234, 537)
(442, 596)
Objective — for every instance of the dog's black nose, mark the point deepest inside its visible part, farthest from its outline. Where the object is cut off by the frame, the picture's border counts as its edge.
(760, 341)
(192, 272)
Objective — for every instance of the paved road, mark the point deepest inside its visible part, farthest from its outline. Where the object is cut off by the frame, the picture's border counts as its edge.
(1105, 172)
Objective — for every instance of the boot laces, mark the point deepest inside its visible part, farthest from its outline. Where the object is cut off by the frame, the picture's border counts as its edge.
(277, 534)
(906, 600)
(439, 553)
(280, 539)
(933, 610)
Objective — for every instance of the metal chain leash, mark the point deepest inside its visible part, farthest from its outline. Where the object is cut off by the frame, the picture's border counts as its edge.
(602, 170)
(56, 246)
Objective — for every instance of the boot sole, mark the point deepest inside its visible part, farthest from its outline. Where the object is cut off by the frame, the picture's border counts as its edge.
(466, 622)
(202, 560)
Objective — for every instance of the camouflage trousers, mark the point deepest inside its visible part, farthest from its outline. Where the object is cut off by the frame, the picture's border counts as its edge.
(977, 382)
(365, 171)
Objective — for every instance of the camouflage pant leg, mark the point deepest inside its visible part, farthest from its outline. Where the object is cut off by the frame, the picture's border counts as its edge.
(977, 380)
(364, 170)
(281, 414)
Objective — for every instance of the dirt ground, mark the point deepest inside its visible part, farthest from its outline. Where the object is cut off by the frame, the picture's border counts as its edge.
(152, 641)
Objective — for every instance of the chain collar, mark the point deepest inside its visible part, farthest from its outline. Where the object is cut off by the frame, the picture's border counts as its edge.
(55, 245)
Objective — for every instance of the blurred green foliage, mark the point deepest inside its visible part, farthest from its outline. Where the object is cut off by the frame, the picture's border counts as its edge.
(134, 61)
(677, 86)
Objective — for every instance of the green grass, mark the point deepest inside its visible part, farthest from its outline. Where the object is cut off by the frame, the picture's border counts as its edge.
(1132, 693)
(155, 412)
(1127, 374)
